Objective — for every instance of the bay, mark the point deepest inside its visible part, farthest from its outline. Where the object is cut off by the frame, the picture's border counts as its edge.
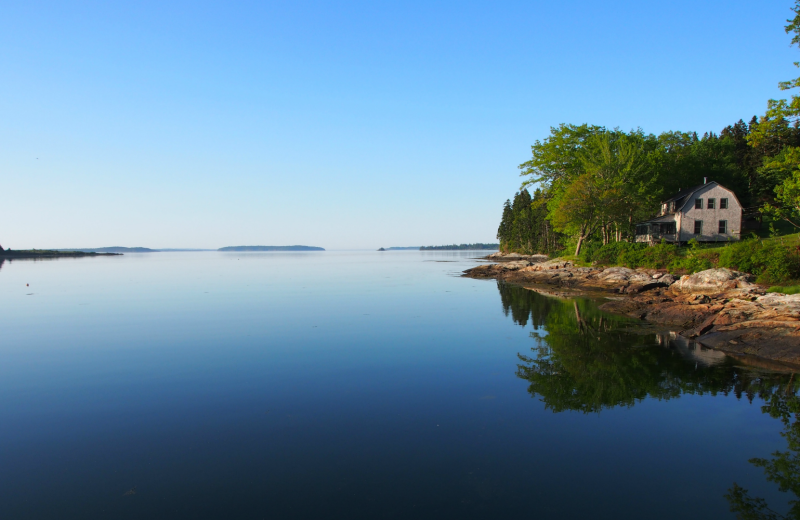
(359, 385)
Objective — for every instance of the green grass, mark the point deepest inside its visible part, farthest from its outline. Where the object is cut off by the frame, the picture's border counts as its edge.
(785, 289)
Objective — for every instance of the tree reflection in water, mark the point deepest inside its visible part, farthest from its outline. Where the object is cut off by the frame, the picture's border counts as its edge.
(784, 466)
(587, 360)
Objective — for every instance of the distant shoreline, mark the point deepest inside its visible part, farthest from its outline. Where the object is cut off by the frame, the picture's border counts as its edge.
(270, 248)
(9, 254)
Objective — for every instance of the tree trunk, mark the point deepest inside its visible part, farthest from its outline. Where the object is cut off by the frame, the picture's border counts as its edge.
(580, 243)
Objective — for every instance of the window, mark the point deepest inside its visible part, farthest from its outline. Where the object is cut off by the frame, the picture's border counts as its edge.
(698, 203)
(723, 203)
(723, 227)
(711, 203)
(667, 229)
(642, 229)
(698, 227)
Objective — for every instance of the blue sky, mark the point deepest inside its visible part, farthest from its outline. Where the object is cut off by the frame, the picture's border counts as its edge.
(339, 124)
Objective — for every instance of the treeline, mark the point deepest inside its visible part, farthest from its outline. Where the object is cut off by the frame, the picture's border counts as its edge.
(525, 227)
(594, 183)
(456, 247)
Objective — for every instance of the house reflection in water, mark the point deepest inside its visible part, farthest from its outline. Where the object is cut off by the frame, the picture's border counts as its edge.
(691, 350)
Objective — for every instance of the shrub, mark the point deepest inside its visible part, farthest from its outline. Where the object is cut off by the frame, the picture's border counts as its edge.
(696, 259)
(658, 256)
(609, 254)
(770, 261)
(789, 289)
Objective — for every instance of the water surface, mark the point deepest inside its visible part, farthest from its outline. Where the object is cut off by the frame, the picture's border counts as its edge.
(360, 385)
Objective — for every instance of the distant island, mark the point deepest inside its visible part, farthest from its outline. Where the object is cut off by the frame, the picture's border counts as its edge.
(115, 249)
(12, 254)
(413, 248)
(456, 247)
(271, 248)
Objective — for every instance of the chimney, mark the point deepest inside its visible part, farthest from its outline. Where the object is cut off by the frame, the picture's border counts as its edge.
(705, 180)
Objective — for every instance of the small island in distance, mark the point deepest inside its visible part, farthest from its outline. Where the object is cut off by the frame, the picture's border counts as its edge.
(115, 249)
(453, 247)
(271, 248)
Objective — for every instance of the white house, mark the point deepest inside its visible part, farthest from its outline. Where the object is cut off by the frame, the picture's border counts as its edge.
(709, 212)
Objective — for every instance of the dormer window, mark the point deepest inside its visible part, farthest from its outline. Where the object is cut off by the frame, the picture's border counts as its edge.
(698, 203)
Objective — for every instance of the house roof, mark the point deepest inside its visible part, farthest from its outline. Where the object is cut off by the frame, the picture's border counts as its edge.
(670, 217)
(688, 191)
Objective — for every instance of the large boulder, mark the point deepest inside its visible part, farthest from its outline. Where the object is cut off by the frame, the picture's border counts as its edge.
(550, 264)
(767, 327)
(515, 257)
(712, 281)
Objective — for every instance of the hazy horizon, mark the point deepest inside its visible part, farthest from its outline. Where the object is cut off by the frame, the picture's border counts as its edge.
(348, 126)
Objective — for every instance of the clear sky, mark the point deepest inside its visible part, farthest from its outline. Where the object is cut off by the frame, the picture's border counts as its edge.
(340, 124)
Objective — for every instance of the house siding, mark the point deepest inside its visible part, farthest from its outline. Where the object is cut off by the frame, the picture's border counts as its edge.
(710, 217)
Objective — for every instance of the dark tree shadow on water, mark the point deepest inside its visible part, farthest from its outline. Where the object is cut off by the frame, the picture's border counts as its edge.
(586, 360)
(782, 469)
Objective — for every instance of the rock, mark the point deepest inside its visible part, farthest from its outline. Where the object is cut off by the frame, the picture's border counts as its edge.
(515, 265)
(483, 271)
(698, 299)
(667, 279)
(712, 281)
(551, 264)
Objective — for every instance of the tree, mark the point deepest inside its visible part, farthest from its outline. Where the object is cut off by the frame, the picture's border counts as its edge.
(504, 231)
(780, 128)
(620, 164)
(579, 209)
(556, 161)
(787, 194)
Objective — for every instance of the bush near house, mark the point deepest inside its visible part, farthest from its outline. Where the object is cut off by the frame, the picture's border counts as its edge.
(633, 255)
(772, 261)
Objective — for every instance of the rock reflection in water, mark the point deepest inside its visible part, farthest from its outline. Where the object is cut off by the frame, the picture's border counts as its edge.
(586, 360)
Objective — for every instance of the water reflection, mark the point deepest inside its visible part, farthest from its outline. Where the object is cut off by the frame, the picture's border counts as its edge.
(586, 360)
(783, 468)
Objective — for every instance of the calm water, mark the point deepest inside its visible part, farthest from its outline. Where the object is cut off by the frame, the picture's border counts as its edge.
(360, 385)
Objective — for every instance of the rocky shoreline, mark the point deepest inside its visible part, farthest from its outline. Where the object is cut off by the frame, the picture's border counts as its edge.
(719, 308)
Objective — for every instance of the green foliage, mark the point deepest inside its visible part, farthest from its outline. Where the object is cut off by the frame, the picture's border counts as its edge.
(770, 260)
(594, 184)
(659, 256)
(787, 196)
(695, 259)
(609, 254)
(785, 289)
(524, 227)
